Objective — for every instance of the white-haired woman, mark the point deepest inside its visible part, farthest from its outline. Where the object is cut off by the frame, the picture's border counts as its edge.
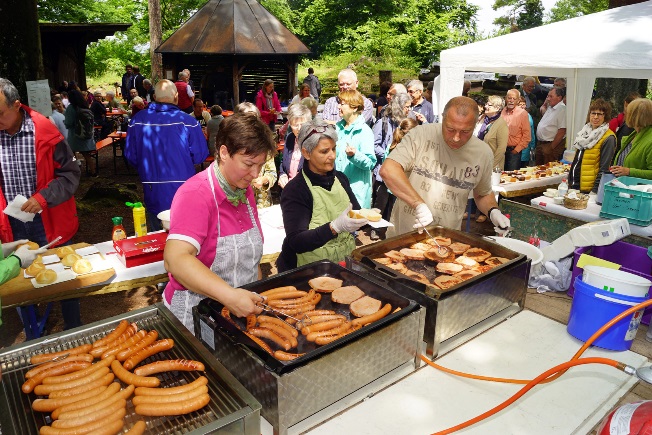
(292, 159)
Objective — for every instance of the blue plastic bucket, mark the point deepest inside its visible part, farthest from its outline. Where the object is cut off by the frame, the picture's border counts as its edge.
(593, 307)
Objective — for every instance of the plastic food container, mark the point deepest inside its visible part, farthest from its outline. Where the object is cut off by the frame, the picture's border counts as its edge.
(616, 281)
(164, 217)
(532, 252)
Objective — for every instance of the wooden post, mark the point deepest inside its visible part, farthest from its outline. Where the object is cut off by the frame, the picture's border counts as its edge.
(236, 85)
(384, 76)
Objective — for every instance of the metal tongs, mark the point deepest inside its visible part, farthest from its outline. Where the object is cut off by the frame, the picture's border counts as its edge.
(442, 250)
(300, 323)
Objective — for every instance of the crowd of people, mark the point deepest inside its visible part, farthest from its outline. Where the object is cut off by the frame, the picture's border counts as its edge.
(415, 166)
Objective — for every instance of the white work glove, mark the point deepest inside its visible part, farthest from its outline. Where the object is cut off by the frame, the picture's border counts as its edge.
(26, 255)
(8, 248)
(344, 223)
(283, 180)
(422, 217)
(500, 221)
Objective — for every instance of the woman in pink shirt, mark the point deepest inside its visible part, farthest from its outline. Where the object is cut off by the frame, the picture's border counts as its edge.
(215, 242)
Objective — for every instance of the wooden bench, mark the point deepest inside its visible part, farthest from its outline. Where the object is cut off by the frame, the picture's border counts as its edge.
(94, 154)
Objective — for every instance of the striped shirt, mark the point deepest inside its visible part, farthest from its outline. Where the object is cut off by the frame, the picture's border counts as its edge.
(18, 160)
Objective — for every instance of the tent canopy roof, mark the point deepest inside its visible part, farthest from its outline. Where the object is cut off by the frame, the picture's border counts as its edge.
(233, 27)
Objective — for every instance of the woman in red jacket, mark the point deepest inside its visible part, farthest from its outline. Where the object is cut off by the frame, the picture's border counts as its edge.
(268, 104)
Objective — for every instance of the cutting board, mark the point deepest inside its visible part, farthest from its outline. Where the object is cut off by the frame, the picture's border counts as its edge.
(20, 291)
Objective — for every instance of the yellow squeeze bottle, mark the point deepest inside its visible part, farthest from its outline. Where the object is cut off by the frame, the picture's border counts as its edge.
(140, 220)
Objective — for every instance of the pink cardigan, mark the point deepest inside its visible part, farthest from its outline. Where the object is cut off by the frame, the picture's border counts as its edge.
(261, 103)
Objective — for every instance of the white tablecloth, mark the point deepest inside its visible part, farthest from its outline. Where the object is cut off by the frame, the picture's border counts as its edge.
(530, 184)
(123, 273)
(590, 214)
(271, 221)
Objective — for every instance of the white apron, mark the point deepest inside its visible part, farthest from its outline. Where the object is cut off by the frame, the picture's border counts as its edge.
(236, 261)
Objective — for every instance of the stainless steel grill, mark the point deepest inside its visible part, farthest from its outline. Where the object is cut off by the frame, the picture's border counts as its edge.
(231, 410)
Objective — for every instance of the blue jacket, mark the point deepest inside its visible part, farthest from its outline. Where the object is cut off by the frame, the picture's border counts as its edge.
(357, 168)
(382, 141)
(164, 144)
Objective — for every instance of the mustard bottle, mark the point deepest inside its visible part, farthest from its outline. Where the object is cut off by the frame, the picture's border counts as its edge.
(140, 221)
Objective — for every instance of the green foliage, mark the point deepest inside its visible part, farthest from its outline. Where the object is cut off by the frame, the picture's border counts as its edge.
(565, 9)
(520, 15)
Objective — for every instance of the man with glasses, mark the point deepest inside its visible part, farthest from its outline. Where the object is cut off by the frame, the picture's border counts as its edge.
(551, 131)
(433, 169)
(518, 123)
(421, 108)
(347, 79)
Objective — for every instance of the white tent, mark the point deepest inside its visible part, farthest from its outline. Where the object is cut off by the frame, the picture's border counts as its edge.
(615, 43)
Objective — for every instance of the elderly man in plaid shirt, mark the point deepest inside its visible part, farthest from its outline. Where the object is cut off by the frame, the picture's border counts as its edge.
(36, 162)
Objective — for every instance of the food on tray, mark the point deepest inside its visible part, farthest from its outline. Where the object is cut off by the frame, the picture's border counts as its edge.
(285, 356)
(399, 267)
(70, 259)
(365, 213)
(417, 276)
(46, 276)
(60, 369)
(325, 284)
(370, 318)
(82, 266)
(130, 350)
(365, 306)
(383, 260)
(477, 254)
(65, 250)
(132, 379)
(467, 274)
(30, 245)
(421, 246)
(34, 268)
(439, 256)
(395, 256)
(185, 405)
(185, 365)
(449, 268)
(412, 254)
(466, 262)
(443, 241)
(146, 352)
(346, 295)
(496, 261)
(445, 281)
(459, 248)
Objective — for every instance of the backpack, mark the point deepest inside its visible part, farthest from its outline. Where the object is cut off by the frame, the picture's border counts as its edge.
(85, 121)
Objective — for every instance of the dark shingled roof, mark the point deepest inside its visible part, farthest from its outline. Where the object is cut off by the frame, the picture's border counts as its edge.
(233, 27)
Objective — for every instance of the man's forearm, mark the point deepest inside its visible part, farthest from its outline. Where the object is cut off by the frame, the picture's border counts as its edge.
(395, 179)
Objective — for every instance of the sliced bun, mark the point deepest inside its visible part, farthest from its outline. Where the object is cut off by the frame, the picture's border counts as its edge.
(449, 268)
(399, 267)
(365, 306)
(82, 266)
(412, 254)
(468, 263)
(325, 284)
(445, 256)
(459, 248)
(417, 276)
(443, 241)
(46, 276)
(70, 259)
(30, 245)
(496, 261)
(65, 250)
(34, 268)
(467, 274)
(478, 254)
(395, 256)
(365, 213)
(346, 295)
(445, 281)
(383, 260)
(421, 246)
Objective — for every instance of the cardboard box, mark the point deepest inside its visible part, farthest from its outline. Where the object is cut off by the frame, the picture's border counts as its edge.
(136, 251)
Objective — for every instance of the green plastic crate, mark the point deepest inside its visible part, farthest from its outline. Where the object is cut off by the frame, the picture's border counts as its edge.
(619, 202)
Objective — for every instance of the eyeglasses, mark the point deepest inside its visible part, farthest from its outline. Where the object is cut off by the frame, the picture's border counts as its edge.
(414, 91)
(597, 114)
(319, 129)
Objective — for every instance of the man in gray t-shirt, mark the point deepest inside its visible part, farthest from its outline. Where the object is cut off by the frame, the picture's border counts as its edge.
(433, 169)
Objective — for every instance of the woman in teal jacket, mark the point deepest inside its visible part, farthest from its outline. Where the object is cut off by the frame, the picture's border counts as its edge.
(355, 146)
(635, 156)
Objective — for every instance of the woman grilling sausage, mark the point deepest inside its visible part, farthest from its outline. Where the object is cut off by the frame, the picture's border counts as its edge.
(215, 242)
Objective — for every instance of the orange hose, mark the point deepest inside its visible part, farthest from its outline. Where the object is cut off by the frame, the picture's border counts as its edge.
(560, 368)
(579, 353)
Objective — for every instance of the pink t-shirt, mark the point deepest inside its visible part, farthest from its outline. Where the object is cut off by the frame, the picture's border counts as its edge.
(294, 163)
(193, 219)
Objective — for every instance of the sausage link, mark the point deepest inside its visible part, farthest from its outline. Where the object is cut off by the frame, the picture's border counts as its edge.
(88, 418)
(46, 357)
(287, 288)
(271, 335)
(323, 326)
(251, 321)
(76, 375)
(60, 369)
(137, 429)
(311, 313)
(122, 327)
(295, 301)
(144, 391)
(282, 332)
(365, 320)
(92, 427)
(105, 380)
(185, 365)
(285, 356)
(264, 320)
(49, 405)
(127, 352)
(111, 428)
(81, 357)
(95, 407)
(260, 343)
(330, 338)
(160, 409)
(131, 379)
(171, 398)
(130, 331)
(296, 310)
(286, 295)
(146, 352)
(131, 340)
(44, 390)
(109, 391)
(335, 331)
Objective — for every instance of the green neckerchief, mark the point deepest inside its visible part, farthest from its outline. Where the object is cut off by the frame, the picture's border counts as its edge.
(235, 197)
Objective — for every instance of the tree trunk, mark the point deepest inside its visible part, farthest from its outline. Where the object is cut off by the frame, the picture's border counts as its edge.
(155, 36)
(20, 44)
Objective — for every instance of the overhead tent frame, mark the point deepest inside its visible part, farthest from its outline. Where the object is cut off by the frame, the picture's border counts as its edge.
(615, 43)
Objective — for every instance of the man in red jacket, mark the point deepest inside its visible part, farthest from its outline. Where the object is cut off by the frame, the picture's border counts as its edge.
(36, 162)
(186, 94)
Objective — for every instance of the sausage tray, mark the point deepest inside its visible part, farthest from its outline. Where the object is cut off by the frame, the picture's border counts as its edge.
(299, 394)
(461, 312)
(232, 410)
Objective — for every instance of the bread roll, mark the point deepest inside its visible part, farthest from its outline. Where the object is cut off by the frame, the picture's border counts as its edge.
(30, 245)
(365, 213)
(34, 268)
(325, 284)
(70, 259)
(82, 266)
(46, 276)
(65, 250)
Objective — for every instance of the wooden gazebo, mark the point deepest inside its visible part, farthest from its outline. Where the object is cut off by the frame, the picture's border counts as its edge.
(230, 48)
